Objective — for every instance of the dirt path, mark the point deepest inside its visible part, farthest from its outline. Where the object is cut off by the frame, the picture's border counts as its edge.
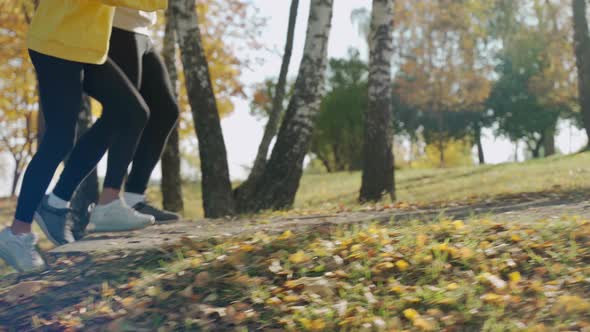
(521, 208)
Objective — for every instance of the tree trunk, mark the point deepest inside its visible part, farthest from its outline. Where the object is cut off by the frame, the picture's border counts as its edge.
(378, 171)
(582, 50)
(171, 184)
(15, 177)
(549, 141)
(88, 191)
(279, 183)
(480, 154)
(246, 189)
(216, 186)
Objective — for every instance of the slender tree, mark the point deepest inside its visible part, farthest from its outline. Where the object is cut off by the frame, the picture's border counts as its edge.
(378, 170)
(582, 51)
(246, 189)
(279, 183)
(171, 184)
(216, 186)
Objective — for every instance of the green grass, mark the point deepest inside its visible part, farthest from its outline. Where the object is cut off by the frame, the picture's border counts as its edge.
(326, 191)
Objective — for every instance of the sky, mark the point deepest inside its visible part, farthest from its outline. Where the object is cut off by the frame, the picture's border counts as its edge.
(243, 132)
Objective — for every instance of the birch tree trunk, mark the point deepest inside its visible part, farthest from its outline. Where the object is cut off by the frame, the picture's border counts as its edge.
(217, 192)
(171, 184)
(582, 50)
(279, 183)
(378, 170)
(247, 188)
(88, 191)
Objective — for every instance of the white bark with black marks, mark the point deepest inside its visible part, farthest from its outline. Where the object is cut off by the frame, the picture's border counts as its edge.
(278, 185)
(378, 165)
(217, 192)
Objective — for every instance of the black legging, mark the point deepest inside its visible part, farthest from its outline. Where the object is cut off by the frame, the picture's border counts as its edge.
(136, 56)
(61, 85)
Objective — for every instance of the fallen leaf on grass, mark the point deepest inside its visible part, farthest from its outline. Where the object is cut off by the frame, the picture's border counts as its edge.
(299, 257)
(570, 304)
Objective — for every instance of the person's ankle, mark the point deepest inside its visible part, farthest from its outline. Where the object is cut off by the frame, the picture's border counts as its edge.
(20, 227)
(109, 195)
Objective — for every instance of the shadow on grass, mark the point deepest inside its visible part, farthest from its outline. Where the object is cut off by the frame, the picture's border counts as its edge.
(83, 277)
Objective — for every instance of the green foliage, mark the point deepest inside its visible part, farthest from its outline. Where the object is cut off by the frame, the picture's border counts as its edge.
(338, 136)
(518, 106)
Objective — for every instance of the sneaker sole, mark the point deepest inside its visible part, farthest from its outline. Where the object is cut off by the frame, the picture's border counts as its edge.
(166, 221)
(43, 227)
(93, 229)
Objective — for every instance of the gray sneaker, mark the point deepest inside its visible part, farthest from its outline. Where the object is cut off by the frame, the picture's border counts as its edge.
(19, 251)
(117, 217)
(55, 223)
(162, 216)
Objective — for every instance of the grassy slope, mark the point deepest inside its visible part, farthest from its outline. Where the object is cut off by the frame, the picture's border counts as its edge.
(325, 191)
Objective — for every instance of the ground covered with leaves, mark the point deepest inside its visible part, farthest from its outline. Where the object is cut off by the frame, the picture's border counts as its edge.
(448, 275)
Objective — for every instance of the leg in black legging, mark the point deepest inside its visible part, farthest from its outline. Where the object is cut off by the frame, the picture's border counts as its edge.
(158, 93)
(60, 92)
(125, 115)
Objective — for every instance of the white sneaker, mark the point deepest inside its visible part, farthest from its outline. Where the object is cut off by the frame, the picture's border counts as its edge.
(19, 251)
(117, 217)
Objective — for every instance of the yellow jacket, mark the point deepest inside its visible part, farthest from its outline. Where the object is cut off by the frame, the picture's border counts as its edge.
(79, 30)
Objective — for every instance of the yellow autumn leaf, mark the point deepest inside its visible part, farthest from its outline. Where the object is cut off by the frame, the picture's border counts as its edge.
(453, 286)
(356, 247)
(466, 253)
(423, 324)
(411, 314)
(196, 262)
(458, 224)
(290, 284)
(298, 257)
(514, 277)
(318, 325)
(492, 298)
(570, 304)
(396, 289)
(385, 266)
(291, 298)
(421, 240)
(286, 235)
(402, 265)
(247, 247)
(127, 302)
(153, 291)
(107, 291)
